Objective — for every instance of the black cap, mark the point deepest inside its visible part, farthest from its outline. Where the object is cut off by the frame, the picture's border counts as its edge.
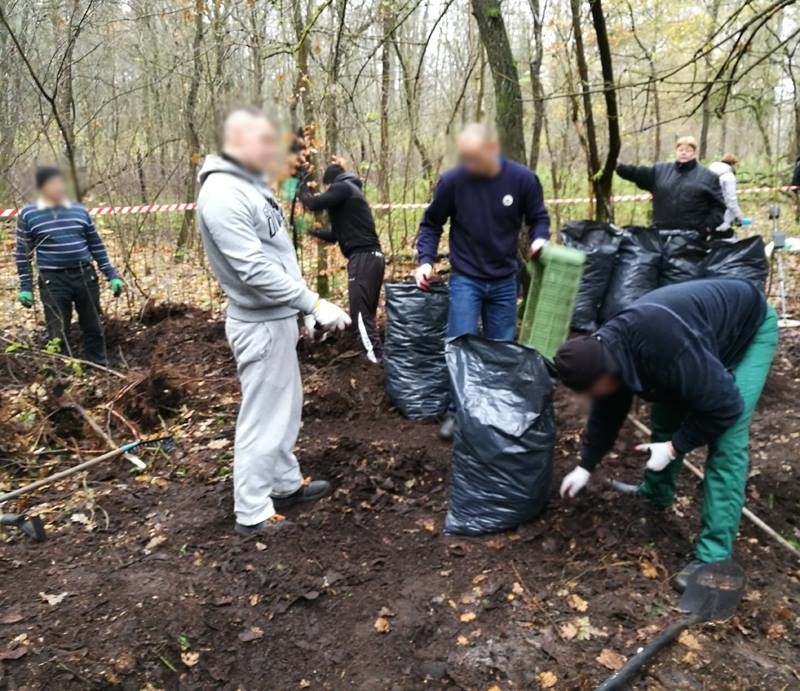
(581, 361)
(333, 171)
(45, 173)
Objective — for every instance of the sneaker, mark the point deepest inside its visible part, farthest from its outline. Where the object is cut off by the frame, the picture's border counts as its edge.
(448, 428)
(310, 490)
(681, 579)
(273, 524)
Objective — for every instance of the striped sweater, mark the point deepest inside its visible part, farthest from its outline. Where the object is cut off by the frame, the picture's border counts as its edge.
(60, 237)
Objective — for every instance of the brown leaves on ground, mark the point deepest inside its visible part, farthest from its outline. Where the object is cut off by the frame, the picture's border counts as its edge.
(611, 659)
(547, 680)
(577, 602)
(687, 640)
(580, 629)
(251, 633)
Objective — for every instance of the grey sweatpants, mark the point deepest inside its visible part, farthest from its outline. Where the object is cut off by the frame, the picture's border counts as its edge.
(264, 464)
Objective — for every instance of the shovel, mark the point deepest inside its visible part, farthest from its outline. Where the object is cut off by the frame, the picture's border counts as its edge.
(31, 526)
(712, 594)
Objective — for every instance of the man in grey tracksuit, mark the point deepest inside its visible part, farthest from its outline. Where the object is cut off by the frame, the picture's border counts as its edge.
(252, 256)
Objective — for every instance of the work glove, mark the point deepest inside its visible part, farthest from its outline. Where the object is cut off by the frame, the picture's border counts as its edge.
(537, 245)
(574, 481)
(116, 286)
(25, 298)
(661, 454)
(329, 316)
(423, 276)
(309, 324)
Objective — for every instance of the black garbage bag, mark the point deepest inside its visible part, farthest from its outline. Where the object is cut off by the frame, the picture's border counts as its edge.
(413, 352)
(636, 270)
(683, 256)
(505, 435)
(599, 241)
(739, 259)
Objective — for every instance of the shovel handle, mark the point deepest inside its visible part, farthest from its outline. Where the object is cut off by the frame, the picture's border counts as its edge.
(621, 678)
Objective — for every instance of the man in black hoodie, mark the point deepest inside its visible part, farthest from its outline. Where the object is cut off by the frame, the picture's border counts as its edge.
(686, 195)
(700, 351)
(353, 227)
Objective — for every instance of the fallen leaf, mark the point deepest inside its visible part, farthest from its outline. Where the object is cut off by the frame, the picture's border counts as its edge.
(304, 683)
(13, 653)
(689, 641)
(254, 599)
(568, 631)
(462, 640)
(53, 600)
(547, 680)
(577, 602)
(517, 589)
(467, 617)
(611, 659)
(381, 625)
(260, 546)
(494, 687)
(189, 658)
(649, 569)
(776, 630)
(154, 542)
(385, 612)
(11, 617)
(585, 630)
(251, 633)
(218, 444)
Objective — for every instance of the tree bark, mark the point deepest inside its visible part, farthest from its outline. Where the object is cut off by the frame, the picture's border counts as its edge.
(537, 89)
(507, 91)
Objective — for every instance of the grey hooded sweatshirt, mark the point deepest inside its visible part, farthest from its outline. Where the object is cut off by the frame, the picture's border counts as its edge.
(248, 248)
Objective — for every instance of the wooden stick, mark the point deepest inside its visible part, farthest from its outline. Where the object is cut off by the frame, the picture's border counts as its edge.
(100, 433)
(753, 518)
(63, 358)
(64, 473)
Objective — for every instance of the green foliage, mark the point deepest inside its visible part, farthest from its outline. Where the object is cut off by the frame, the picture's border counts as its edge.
(53, 346)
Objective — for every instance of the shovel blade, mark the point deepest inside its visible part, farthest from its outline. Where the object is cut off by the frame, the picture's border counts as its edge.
(714, 591)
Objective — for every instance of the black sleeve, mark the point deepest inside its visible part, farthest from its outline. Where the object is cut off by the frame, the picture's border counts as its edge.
(643, 177)
(336, 194)
(605, 420)
(716, 211)
(325, 234)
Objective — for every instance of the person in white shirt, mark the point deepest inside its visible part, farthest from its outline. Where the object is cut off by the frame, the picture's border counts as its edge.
(726, 170)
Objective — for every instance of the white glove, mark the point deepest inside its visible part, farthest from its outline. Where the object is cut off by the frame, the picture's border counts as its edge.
(329, 316)
(661, 454)
(309, 324)
(422, 276)
(536, 246)
(574, 481)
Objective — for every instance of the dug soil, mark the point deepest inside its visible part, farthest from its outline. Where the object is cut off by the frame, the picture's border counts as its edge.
(143, 584)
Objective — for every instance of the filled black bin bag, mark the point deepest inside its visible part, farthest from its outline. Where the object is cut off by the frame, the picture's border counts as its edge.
(741, 259)
(505, 434)
(413, 352)
(683, 256)
(599, 241)
(636, 270)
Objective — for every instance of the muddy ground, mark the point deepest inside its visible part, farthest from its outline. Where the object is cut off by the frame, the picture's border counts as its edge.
(142, 583)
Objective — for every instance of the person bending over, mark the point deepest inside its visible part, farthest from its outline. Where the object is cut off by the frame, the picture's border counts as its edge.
(700, 352)
(487, 199)
(353, 227)
(61, 236)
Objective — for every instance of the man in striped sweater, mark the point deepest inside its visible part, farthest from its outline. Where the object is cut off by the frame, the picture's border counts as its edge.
(62, 238)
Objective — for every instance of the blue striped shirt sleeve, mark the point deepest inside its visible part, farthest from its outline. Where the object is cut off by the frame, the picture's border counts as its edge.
(98, 249)
(22, 255)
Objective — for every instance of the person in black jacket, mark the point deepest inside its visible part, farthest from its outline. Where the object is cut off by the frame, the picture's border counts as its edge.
(686, 195)
(353, 227)
(700, 352)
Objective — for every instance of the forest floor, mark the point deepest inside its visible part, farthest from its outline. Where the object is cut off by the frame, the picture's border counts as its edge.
(142, 583)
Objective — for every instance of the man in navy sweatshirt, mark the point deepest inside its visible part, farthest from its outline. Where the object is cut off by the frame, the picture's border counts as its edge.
(62, 237)
(487, 199)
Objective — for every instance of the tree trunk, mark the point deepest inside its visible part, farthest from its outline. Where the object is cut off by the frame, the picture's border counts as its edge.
(706, 112)
(507, 91)
(537, 89)
(386, 82)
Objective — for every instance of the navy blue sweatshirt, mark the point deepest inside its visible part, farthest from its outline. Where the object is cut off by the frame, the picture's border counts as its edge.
(61, 237)
(677, 345)
(486, 216)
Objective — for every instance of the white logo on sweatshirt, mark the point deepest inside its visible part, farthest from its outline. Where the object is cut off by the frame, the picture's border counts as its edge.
(508, 200)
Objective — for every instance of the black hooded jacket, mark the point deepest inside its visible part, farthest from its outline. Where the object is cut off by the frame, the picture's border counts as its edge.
(686, 196)
(677, 345)
(352, 224)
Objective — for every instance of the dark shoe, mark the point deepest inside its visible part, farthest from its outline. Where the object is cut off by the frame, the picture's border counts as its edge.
(316, 489)
(273, 524)
(448, 428)
(681, 579)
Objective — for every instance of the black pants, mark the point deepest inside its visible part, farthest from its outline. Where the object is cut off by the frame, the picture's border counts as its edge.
(61, 290)
(364, 281)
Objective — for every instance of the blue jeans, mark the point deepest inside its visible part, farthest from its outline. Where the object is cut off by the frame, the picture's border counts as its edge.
(492, 303)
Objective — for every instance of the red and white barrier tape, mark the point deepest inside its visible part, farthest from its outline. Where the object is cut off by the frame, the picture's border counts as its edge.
(191, 206)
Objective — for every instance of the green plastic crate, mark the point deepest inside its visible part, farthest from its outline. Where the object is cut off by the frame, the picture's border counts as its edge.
(555, 279)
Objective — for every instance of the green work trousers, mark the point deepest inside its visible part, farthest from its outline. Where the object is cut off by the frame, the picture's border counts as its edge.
(727, 462)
